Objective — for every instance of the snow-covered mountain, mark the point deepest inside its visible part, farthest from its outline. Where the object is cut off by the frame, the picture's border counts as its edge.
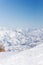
(20, 39)
(33, 56)
(29, 40)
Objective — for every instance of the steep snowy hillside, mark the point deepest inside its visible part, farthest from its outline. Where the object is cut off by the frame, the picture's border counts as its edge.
(33, 56)
(20, 39)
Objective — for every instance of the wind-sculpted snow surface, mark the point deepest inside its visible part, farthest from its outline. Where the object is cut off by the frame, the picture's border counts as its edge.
(33, 56)
(20, 39)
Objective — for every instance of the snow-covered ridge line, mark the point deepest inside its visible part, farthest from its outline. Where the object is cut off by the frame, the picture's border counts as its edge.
(20, 39)
(32, 56)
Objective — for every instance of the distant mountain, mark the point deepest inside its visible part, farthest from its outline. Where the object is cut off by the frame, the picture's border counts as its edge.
(20, 39)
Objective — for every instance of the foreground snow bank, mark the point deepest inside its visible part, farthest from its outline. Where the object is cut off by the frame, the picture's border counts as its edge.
(34, 56)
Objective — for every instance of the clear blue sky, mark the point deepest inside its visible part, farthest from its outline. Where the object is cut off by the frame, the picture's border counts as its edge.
(21, 13)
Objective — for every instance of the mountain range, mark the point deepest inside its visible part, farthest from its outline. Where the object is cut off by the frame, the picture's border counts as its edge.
(20, 39)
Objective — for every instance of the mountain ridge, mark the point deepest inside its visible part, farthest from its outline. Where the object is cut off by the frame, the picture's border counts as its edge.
(20, 39)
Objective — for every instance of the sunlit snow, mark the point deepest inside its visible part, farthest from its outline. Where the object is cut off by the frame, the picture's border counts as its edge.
(22, 46)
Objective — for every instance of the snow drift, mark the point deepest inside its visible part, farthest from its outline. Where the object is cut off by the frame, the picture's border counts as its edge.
(33, 56)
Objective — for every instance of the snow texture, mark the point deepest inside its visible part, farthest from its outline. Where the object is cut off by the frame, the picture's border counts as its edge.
(20, 39)
(33, 56)
(28, 42)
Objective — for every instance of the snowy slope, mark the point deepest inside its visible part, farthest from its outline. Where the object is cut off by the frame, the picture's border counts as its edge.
(33, 56)
(20, 39)
(29, 44)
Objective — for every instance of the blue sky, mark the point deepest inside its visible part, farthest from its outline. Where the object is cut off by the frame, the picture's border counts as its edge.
(21, 13)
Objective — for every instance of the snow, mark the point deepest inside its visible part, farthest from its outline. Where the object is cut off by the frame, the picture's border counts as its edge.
(20, 39)
(23, 47)
(33, 56)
